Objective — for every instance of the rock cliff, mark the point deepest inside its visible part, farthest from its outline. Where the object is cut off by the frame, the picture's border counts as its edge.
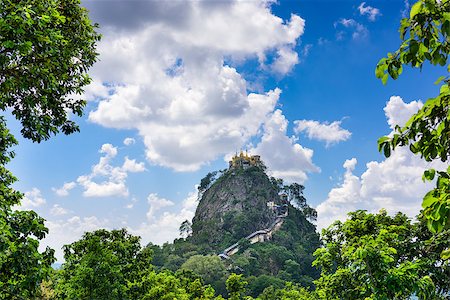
(234, 206)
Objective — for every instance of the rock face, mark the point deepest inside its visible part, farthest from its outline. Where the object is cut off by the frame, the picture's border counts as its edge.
(234, 206)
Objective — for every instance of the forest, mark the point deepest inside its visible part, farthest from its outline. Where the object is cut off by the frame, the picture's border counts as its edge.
(46, 50)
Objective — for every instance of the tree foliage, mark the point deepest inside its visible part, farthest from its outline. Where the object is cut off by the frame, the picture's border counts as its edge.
(102, 264)
(22, 266)
(425, 38)
(209, 267)
(46, 47)
(379, 257)
(185, 228)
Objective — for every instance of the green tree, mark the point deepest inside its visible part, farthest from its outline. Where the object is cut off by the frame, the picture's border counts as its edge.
(167, 286)
(102, 264)
(425, 38)
(376, 257)
(22, 266)
(236, 286)
(289, 292)
(46, 47)
(185, 228)
(209, 267)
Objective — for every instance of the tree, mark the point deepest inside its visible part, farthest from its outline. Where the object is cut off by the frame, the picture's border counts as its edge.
(22, 266)
(209, 267)
(185, 228)
(102, 264)
(289, 292)
(378, 257)
(236, 286)
(46, 47)
(206, 182)
(167, 286)
(425, 37)
(298, 199)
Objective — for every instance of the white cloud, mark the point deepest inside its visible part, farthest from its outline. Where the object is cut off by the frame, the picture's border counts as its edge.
(156, 203)
(109, 150)
(306, 50)
(31, 200)
(131, 204)
(57, 210)
(394, 183)
(129, 141)
(64, 190)
(398, 112)
(106, 180)
(330, 133)
(358, 30)
(164, 227)
(284, 157)
(371, 12)
(286, 60)
(175, 77)
(130, 165)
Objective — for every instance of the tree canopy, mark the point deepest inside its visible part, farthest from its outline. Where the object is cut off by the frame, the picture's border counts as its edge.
(46, 48)
(425, 38)
(22, 265)
(102, 264)
(375, 256)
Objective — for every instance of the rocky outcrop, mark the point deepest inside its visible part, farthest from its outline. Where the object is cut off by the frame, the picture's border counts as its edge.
(234, 206)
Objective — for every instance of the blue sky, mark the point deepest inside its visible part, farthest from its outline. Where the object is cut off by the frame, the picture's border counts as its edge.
(187, 84)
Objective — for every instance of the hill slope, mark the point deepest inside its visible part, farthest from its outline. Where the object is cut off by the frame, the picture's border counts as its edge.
(234, 206)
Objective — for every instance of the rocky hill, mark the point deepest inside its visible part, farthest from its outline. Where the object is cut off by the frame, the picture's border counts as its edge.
(266, 224)
(234, 206)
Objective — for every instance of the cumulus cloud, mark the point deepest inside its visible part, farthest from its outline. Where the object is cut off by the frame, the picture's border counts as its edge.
(175, 80)
(286, 60)
(284, 157)
(394, 183)
(330, 133)
(130, 165)
(398, 112)
(156, 203)
(31, 200)
(357, 30)
(371, 12)
(57, 210)
(164, 226)
(106, 180)
(129, 141)
(64, 190)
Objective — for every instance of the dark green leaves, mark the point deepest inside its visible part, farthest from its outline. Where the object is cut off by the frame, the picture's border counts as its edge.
(376, 256)
(47, 48)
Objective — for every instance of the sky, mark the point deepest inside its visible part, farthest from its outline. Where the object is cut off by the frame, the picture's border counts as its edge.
(180, 86)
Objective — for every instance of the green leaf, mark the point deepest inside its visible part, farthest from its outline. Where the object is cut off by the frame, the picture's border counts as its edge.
(384, 78)
(445, 254)
(428, 174)
(439, 80)
(387, 150)
(429, 200)
(415, 9)
(379, 72)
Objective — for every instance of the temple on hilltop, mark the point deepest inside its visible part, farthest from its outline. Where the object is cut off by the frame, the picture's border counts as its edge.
(245, 161)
